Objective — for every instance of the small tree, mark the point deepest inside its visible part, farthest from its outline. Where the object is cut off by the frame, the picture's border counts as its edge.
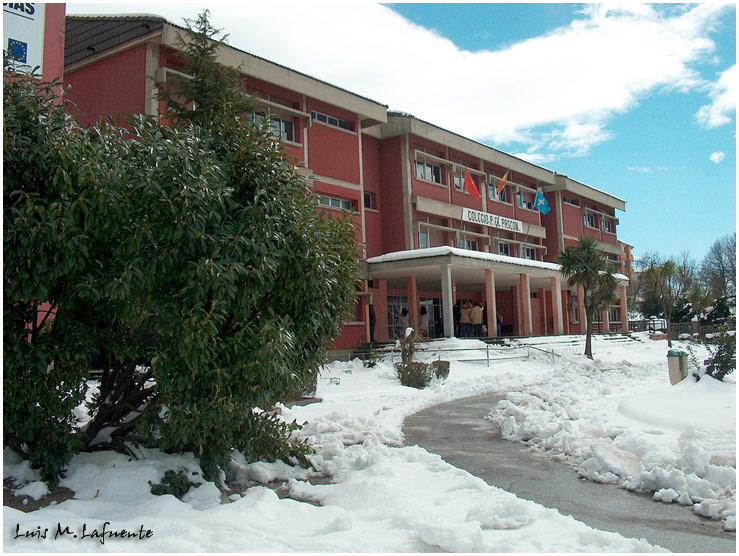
(584, 264)
(723, 351)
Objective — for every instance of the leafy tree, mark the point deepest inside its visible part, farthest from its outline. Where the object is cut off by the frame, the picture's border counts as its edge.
(45, 349)
(187, 263)
(584, 264)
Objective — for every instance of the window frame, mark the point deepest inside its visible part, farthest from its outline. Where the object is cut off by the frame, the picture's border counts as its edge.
(435, 171)
(330, 202)
(590, 216)
(331, 121)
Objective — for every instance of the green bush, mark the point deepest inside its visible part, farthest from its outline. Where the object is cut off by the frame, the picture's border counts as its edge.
(723, 352)
(414, 374)
(187, 263)
(175, 483)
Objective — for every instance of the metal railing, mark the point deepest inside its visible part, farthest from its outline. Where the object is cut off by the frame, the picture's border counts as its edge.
(490, 353)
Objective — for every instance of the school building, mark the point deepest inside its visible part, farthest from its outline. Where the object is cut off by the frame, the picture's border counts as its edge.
(427, 240)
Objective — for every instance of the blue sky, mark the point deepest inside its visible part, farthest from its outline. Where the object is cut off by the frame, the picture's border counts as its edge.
(636, 100)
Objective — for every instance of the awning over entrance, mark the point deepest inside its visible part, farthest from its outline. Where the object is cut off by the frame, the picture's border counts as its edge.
(447, 268)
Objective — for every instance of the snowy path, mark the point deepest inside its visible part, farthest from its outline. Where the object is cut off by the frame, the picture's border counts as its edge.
(458, 432)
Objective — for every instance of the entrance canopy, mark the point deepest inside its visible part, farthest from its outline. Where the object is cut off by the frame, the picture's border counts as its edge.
(449, 269)
(468, 268)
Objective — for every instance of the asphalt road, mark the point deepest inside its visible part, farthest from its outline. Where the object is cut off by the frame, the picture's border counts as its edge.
(458, 433)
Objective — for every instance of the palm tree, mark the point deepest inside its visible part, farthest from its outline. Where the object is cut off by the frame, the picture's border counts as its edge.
(585, 264)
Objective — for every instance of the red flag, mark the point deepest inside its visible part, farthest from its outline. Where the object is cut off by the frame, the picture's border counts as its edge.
(501, 183)
(470, 186)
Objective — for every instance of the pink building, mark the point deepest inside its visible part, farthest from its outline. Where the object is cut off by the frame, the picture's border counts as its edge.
(428, 243)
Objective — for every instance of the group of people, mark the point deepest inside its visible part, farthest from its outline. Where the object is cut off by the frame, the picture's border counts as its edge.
(470, 319)
(423, 322)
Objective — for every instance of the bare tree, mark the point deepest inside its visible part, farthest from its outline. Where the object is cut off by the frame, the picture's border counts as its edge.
(719, 267)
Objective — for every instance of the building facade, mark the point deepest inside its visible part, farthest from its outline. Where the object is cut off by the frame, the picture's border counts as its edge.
(427, 241)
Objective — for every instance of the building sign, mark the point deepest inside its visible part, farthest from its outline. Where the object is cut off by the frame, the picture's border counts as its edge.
(492, 220)
(23, 35)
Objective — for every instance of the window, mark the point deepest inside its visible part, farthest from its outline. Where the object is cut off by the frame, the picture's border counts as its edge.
(606, 225)
(467, 244)
(331, 120)
(589, 220)
(369, 201)
(284, 129)
(494, 196)
(504, 249)
(521, 202)
(529, 253)
(571, 201)
(613, 315)
(334, 202)
(428, 172)
(423, 240)
(458, 183)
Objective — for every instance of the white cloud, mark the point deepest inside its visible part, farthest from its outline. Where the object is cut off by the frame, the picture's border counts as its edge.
(717, 157)
(554, 94)
(723, 96)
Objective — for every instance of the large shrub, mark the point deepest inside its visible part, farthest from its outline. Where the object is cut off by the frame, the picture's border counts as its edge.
(186, 262)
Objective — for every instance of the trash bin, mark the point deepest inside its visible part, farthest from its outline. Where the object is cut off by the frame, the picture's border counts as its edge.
(677, 365)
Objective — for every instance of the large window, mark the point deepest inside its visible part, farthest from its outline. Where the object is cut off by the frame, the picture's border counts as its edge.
(467, 244)
(284, 129)
(331, 120)
(504, 249)
(589, 220)
(428, 172)
(334, 202)
(424, 241)
(458, 183)
(529, 253)
(494, 196)
(523, 202)
(607, 225)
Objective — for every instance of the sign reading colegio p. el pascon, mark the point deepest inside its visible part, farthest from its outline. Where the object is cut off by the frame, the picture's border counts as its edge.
(23, 35)
(493, 220)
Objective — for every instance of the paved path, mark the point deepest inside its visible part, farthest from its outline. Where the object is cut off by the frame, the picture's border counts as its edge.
(459, 434)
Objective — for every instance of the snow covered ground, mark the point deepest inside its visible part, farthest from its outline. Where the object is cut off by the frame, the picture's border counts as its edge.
(615, 419)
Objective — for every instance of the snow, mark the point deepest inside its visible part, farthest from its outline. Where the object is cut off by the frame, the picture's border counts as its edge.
(615, 419)
(446, 250)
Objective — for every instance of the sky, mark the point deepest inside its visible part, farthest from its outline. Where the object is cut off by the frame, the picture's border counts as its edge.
(636, 100)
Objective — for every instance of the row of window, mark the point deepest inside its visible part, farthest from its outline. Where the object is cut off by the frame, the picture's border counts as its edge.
(331, 120)
(285, 129)
(503, 248)
(591, 221)
(345, 204)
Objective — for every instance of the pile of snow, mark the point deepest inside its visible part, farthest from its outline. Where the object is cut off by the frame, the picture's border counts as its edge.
(619, 420)
(368, 492)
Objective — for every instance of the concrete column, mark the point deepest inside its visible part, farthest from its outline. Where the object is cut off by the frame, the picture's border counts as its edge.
(413, 305)
(492, 322)
(624, 312)
(581, 302)
(517, 312)
(605, 325)
(446, 300)
(525, 301)
(543, 311)
(556, 286)
(454, 292)
(566, 312)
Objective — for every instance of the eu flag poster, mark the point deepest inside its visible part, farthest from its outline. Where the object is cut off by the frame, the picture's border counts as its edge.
(23, 36)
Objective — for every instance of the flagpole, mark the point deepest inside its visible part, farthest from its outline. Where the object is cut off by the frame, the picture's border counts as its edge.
(500, 204)
(528, 229)
(461, 216)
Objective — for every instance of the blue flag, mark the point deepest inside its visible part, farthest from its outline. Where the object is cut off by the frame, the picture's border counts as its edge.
(541, 204)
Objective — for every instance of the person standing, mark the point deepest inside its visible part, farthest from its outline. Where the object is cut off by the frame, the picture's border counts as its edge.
(500, 323)
(476, 319)
(464, 319)
(372, 322)
(404, 322)
(457, 313)
(423, 323)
